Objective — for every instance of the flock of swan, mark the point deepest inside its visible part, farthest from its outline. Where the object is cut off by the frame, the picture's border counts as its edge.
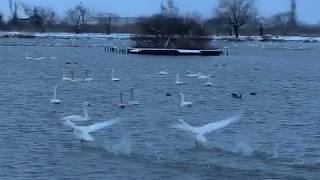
(83, 132)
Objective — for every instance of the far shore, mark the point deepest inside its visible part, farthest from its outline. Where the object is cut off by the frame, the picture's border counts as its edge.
(61, 35)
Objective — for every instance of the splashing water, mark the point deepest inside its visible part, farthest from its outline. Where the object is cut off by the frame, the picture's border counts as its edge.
(243, 148)
(124, 147)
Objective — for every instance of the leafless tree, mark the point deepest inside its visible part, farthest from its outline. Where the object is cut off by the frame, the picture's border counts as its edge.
(169, 9)
(78, 16)
(39, 16)
(13, 6)
(106, 20)
(236, 12)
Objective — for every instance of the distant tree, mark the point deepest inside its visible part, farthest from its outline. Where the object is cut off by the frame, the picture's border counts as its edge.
(236, 13)
(293, 13)
(1, 18)
(169, 9)
(39, 17)
(168, 29)
(13, 19)
(78, 16)
(106, 19)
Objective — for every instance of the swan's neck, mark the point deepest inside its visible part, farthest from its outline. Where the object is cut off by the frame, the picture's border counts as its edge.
(86, 115)
(112, 73)
(177, 77)
(55, 93)
(182, 98)
(131, 95)
(72, 75)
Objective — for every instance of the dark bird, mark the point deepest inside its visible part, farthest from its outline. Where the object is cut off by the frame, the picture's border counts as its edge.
(253, 94)
(168, 94)
(237, 96)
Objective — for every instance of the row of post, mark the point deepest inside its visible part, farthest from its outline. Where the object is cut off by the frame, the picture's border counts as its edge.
(116, 50)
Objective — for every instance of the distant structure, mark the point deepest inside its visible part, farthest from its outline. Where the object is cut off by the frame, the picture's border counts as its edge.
(293, 13)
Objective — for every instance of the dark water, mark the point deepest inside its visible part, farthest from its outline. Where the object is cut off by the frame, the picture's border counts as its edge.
(278, 136)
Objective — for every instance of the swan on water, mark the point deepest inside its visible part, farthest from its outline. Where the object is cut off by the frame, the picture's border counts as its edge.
(164, 72)
(77, 117)
(178, 81)
(122, 104)
(83, 132)
(73, 79)
(131, 100)
(54, 99)
(113, 78)
(209, 82)
(64, 77)
(199, 132)
(184, 103)
(87, 78)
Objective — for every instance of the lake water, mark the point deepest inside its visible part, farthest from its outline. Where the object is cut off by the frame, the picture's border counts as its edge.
(278, 136)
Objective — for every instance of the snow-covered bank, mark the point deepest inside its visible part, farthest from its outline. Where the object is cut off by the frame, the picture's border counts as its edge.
(269, 38)
(64, 35)
(128, 36)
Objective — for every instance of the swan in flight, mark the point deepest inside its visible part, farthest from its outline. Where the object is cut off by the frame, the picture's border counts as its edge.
(199, 132)
(131, 100)
(113, 78)
(87, 78)
(54, 99)
(164, 72)
(178, 81)
(184, 103)
(64, 77)
(83, 132)
(77, 117)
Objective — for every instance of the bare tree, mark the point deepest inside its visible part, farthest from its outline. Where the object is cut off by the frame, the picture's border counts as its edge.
(106, 20)
(13, 6)
(169, 9)
(293, 13)
(236, 12)
(78, 16)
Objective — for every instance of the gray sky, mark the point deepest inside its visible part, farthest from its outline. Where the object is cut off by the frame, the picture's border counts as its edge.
(307, 9)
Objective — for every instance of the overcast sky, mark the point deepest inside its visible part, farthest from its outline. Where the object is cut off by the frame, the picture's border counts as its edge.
(308, 10)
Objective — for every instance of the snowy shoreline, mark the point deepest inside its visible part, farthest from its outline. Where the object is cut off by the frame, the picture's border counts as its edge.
(268, 38)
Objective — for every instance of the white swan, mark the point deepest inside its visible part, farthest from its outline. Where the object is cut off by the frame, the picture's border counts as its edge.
(164, 72)
(64, 77)
(131, 100)
(191, 75)
(87, 78)
(202, 76)
(113, 78)
(54, 99)
(27, 57)
(77, 117)
(83, 132)
(185, 103)
(178, 81)
(209, 83)
(74, 79)
(199, 132)
(122, 104)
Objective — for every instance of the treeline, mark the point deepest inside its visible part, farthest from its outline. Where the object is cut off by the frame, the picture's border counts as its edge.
(231, 17)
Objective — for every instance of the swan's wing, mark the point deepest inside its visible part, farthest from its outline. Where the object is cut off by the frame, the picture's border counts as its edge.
(184, 126)
(98, 126)
(217, 125)
(73, 118)
(70, 124)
